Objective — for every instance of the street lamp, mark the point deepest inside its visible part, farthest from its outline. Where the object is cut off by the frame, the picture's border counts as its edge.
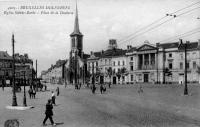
(14, 100)
(24, 99)
(186, 88)
(185, 46)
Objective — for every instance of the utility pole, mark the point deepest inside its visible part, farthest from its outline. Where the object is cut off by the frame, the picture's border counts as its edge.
(32, 75)
(24, 99)
(186, 88)
(36, 75)
(157, 46)
(14, 100)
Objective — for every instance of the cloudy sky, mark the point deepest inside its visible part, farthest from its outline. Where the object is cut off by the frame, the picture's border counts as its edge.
(45, 37)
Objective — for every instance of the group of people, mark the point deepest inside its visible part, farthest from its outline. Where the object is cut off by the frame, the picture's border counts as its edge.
(32, 93)
(49, 107)
(78, 86)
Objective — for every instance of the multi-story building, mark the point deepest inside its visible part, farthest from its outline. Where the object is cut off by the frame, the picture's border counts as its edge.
(155, 63)
(107, 65)
(23, 67)
(56, 73)
(163, 62)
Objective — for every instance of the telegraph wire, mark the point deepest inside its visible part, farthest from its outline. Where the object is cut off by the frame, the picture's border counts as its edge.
(141, 29)
(125, 41)
(186, 7)
(185, 35)
(179, 35)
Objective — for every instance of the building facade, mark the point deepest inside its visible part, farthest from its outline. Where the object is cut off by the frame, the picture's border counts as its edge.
(23, 68)
(56, 73)
(151, 63)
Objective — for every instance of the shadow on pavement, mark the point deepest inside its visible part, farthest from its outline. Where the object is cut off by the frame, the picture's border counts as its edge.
(59, 123)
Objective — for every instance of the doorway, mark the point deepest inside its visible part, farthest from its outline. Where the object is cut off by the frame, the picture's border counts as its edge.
(114, 80)
(146, 77)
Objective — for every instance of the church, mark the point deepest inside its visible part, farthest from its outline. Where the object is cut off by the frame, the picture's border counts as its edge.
(77, 61)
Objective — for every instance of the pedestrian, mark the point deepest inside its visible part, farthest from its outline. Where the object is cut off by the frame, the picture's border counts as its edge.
(30, 92)
(93, 89)
(45, 87)
(33, 93)
(101, 88)
(53, 98)
(3, 84)
(58, 91)
(49, 113)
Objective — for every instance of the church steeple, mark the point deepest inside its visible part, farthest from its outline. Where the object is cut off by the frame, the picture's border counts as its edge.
(76, 24)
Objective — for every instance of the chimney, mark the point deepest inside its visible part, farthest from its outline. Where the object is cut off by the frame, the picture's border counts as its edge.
(157, 45)
(102, 51)
(26, 55)
(129, 47)
(180, 41)
(91, 53)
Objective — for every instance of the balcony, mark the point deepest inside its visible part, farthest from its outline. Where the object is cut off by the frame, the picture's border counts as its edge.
(147, 67)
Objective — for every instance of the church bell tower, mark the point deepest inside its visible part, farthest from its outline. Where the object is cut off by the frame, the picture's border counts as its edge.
(76, 38)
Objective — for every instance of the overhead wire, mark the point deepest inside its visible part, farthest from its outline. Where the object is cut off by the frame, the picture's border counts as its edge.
(125, 41)
(179, 35)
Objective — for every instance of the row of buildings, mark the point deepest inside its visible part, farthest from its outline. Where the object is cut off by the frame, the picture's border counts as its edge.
(56, 73)
(23, 67)
(148, 62)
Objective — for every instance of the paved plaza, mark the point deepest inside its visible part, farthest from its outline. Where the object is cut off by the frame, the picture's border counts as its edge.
(120, 106)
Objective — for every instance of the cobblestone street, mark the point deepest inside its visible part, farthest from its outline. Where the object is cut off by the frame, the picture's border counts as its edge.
(120, 106)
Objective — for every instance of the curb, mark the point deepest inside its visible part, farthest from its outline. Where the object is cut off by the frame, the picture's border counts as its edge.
(19, 107)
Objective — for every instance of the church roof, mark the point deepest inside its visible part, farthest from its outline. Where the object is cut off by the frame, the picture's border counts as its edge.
(76, 25)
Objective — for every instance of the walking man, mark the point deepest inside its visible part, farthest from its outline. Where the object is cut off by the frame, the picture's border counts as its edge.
(49, 113)
(30, 92)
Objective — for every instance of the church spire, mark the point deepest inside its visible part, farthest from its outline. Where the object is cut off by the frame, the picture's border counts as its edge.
(76, 24)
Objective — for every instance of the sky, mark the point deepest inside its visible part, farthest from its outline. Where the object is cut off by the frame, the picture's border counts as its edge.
(45, 37)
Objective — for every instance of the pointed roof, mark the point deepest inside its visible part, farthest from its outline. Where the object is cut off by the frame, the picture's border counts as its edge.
(76, 24)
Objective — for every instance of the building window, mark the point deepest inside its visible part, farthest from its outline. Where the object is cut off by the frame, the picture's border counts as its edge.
(131, 77)
(194, 65)
(118, 70)
(188, 65)
(131, 58)
(73, 42)
(105, 61)
(114, 63)
(170, 65)
(181, 55)
(123, 63)
(170, 54)
(131, 66)
(181, 65)
(118, 63)
(96, 63)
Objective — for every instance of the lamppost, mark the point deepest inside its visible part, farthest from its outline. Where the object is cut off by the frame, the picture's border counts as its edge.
(186, 88)
(14, 100)
(185, 46)
(24, 99)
